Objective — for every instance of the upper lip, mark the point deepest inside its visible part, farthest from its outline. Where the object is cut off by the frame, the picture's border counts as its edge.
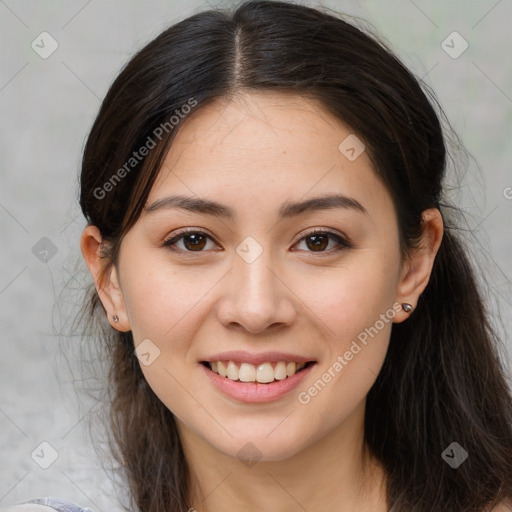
(241, 356)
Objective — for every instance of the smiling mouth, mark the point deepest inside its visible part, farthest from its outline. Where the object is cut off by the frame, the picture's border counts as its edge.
(264, 373)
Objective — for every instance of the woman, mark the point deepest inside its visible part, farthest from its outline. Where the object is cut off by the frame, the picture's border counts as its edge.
(293, 322)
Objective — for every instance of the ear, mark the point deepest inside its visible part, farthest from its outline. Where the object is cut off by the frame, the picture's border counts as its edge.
(105, 278)
(417, 268)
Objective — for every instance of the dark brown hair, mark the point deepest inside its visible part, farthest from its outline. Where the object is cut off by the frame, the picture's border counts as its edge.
(442, 379)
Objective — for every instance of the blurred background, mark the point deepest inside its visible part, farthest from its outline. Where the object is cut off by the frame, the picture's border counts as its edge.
(57, 60)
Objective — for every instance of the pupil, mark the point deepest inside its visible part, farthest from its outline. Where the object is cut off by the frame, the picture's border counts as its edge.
(195, 241)
(319, 244)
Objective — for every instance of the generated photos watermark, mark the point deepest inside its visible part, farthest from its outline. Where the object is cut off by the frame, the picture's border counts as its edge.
(305, 397)
(143, 151)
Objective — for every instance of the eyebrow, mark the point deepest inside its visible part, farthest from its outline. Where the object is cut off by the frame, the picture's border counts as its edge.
(287, 209)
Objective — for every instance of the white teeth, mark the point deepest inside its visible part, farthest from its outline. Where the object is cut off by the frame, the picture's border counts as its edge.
(221, 369)
(290, 369)
(280, 371)
(263, 373)
(232, 371)
(247, 373)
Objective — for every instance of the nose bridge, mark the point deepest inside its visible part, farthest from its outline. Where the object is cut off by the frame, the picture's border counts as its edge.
(256, 282)
(256, 298)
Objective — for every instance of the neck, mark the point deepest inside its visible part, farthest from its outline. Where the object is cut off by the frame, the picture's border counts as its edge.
(334, 474)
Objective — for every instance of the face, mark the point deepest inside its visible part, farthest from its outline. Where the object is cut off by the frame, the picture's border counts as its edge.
(269, 282)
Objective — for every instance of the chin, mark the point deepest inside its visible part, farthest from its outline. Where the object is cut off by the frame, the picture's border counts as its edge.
(252, 449)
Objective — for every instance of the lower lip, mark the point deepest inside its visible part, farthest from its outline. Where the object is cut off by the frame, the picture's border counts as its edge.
(254, 392)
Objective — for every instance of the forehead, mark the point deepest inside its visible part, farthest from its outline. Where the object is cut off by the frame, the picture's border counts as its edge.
(262, 126)
(265, 147)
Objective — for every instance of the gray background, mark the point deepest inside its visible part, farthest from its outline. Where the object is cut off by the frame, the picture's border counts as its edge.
(48, 106)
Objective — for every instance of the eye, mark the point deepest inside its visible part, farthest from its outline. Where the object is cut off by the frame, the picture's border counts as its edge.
(319, 241)
(193, 241)
(316, 241)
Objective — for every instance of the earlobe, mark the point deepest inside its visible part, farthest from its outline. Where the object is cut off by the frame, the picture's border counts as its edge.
(418, 268)
(105, 278)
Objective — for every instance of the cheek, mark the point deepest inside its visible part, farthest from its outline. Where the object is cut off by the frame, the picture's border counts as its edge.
(356, 313)
(162, 306)
(159, 300)
(351, 298)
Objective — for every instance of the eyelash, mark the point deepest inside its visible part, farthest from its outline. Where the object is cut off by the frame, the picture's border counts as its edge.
(342, 242)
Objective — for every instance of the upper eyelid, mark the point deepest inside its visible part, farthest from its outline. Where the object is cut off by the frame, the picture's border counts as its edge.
(190, 231)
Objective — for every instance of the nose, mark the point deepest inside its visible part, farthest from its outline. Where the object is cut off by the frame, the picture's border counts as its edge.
(256, 297)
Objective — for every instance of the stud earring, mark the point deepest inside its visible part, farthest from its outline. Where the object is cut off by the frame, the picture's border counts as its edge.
(407, 307)
(115, 318)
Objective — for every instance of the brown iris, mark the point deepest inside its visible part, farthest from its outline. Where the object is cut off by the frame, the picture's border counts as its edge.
(196, 241)
(320, 242)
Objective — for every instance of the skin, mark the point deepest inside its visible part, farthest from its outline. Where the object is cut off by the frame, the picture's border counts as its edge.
(253, 154)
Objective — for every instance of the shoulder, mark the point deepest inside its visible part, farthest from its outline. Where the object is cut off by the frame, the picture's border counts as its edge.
(28, 507)
(46, 504)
